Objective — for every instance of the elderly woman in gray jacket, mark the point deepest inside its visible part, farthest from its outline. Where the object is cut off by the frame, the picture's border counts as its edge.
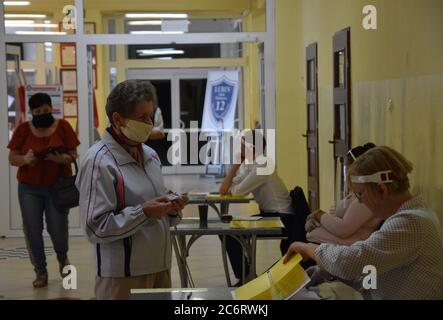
(126, 208)
(402, 260)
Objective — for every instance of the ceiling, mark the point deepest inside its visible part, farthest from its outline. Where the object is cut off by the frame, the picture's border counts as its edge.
(198, 7)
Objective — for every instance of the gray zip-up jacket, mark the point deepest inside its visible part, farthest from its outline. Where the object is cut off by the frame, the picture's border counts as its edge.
(126, 242)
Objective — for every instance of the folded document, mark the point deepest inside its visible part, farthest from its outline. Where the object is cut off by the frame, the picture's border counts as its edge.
(261, 223)
(280, 282)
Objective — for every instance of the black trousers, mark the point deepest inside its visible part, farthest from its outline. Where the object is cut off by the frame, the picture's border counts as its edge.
(294, 230)
(235, 250)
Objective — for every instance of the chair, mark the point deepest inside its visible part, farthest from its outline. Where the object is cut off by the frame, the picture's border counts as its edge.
(295, 223)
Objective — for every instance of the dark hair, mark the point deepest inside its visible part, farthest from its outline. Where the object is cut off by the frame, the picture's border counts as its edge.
(256, 135)
(126, 95)
(358, 151)
(39, 99)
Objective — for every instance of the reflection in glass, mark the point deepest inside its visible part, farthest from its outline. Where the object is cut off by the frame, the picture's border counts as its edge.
(311, 75)
(341, 69)
(192, 100)
(174, 51)
(311, 116)
(340, 122)
(48, 20)
(311, 163)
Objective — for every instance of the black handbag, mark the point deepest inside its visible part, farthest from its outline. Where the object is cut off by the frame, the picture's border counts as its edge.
(65, 194)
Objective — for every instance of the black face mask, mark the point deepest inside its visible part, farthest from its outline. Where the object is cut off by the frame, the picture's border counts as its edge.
(44, 120)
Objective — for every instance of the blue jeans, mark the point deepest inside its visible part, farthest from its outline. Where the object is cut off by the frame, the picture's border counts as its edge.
(33, 202)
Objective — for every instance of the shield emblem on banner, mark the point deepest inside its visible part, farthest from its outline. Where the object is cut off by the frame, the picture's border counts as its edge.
(221, 98)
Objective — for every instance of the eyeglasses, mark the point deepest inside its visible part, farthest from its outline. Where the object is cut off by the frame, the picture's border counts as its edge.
(359, 194)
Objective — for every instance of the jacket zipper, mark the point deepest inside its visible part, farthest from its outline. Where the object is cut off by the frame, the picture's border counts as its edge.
(162, 221)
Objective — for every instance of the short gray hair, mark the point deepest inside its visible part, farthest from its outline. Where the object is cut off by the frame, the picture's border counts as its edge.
(126, 95)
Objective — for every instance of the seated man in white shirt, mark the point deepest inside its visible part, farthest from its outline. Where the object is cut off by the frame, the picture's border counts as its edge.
(269, 191)
(157, 139)
(158, 132)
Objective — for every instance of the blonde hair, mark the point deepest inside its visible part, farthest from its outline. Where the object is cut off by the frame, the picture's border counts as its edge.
(380, 159)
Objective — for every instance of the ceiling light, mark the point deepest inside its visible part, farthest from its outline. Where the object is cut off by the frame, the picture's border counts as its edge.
(48, 44)
(145, 23)
(156, 15)
(24, 15)
(48, 49)
(158, 52)
(40, 32)
(156, 32)
(32, 25)
(163, 58)
(16, 3)
(19, 21)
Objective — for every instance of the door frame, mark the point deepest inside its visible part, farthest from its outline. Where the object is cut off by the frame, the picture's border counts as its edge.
(312, 133)
(341, 43)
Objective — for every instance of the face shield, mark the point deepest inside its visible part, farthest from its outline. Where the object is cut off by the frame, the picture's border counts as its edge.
(386, 176)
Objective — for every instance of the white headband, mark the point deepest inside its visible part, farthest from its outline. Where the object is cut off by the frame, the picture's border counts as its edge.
(379, 177)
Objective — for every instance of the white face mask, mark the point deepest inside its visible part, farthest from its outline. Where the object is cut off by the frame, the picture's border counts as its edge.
(136, 130)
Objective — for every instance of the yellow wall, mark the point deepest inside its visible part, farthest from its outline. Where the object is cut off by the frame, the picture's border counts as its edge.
(401, 61)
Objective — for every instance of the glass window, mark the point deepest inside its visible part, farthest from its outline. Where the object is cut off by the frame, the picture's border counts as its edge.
(340, 71)
(192, 100)
(176, 51)
(311, 75)
(135, 16)
(52, 17)
(340, 125)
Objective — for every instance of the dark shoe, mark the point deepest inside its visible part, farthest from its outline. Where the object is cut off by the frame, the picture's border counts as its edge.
(62, 265)
(40, 281)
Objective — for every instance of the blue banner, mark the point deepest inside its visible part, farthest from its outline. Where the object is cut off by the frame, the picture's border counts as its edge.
(221, 98)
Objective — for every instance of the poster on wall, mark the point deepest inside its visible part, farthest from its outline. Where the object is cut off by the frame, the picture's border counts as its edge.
(70, 103)
(220, 101)
(54, 91)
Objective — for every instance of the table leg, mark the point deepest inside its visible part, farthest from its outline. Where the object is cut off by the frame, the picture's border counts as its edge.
(253, 258)
(249, 246)
(213, 206)
(181, 259)
(225, 261)
(243, 260)
(224, 208)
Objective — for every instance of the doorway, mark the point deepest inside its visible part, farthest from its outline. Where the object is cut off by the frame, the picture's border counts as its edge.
(181, 97)
(312, 126)
(342, 107)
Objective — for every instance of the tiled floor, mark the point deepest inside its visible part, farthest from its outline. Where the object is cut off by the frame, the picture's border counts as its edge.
(205, 263)
(16, 273)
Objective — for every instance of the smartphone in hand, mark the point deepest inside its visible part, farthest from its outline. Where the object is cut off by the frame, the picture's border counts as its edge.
(172, 196)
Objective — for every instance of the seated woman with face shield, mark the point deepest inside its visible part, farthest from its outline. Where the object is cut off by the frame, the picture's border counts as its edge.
(346, 222)
(127, 209)
(406, 252)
